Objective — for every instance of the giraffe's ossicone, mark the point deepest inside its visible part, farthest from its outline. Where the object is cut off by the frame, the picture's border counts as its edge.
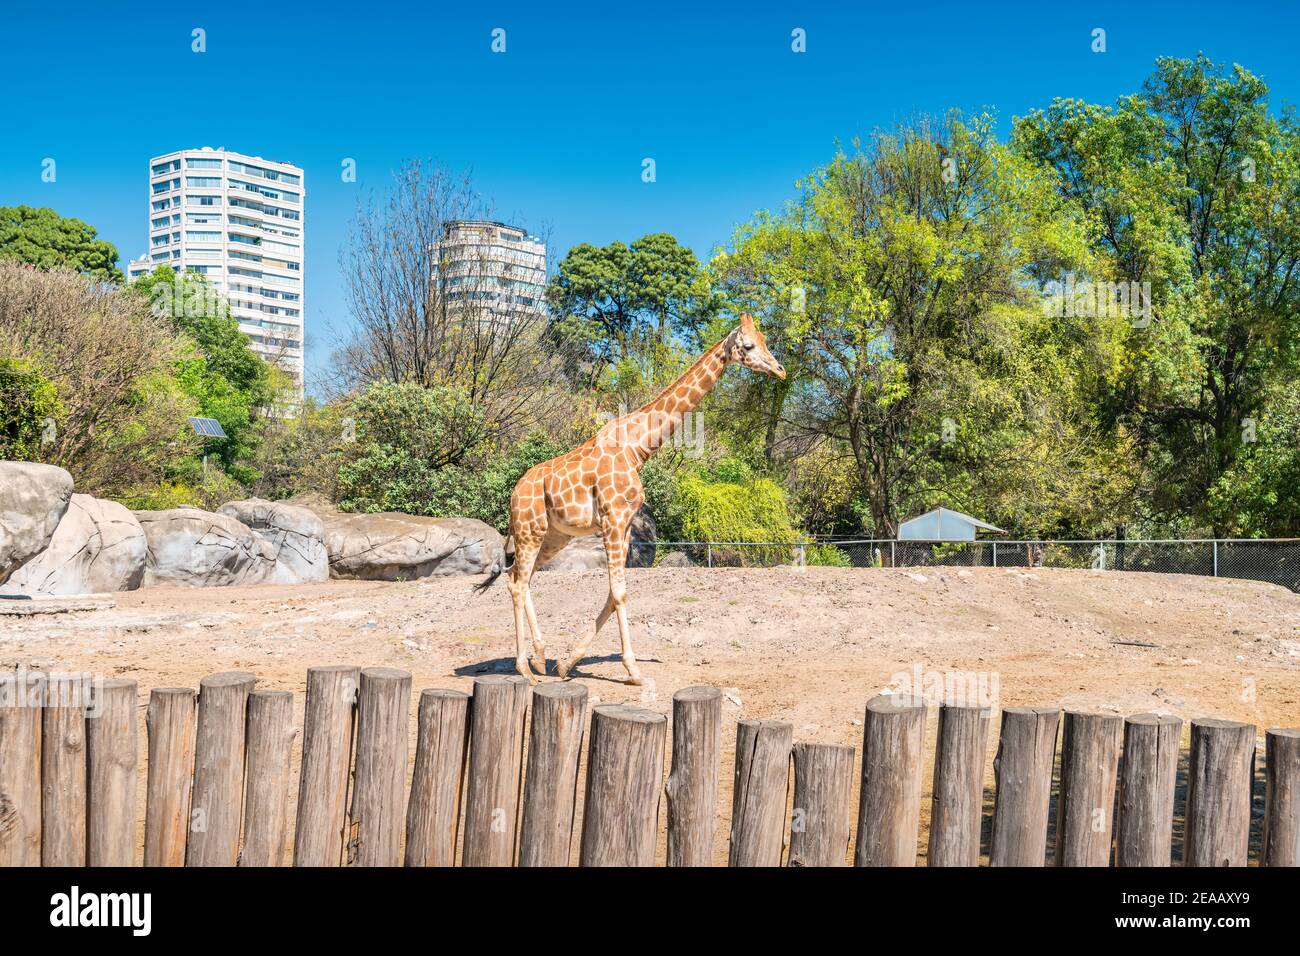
(596, 488)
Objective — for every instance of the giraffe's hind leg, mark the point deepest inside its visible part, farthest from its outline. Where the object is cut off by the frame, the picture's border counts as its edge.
(526, 551)
(553, 543)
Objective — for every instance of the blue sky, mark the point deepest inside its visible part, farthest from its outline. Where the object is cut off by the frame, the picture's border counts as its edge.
(555, 129)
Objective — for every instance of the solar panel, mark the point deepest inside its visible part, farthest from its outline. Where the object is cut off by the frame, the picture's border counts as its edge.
(207, 427)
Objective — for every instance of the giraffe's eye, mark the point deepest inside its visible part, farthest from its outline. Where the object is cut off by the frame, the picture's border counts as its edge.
(749, 346)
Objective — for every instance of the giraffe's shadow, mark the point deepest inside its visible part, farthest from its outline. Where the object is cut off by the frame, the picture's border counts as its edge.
(506, 665)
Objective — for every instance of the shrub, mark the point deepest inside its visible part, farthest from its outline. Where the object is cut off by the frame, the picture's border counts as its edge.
(826, 555)
(727, 511)
(29, 409)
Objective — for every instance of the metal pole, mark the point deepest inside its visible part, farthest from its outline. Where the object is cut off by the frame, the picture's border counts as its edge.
(708, 553)
(1216, 557)
(995, 554)
(892, 563)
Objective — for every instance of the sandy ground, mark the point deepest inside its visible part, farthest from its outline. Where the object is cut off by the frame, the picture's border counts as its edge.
(808, 646)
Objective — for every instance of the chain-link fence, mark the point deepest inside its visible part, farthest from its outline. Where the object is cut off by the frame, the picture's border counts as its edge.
(1276, 560)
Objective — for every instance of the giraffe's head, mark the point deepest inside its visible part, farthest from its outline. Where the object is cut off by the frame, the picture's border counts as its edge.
(749, 348)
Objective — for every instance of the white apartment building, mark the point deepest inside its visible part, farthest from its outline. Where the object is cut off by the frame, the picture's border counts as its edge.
(495, 269)
(238, 220)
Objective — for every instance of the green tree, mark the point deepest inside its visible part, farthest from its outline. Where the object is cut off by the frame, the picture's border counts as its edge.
(230, 381)
(901, 292)
(1191, 186)
(409, 441)
(30, 410)
(43, 238)
(617, 304)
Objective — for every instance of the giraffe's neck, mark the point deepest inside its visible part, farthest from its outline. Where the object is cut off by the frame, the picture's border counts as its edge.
(662, 416)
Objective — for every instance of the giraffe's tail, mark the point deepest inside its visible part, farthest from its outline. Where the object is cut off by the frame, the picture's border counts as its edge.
(500, 567)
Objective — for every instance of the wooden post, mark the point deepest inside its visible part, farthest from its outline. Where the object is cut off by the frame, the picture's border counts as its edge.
(383, 720)
(21, 695)
(216, 807)
(758, 795)
(1219, 779)
(1281, 798)
(111, 754)
(63, 772)
(1023, 772)
(958, 786)
(434, 809)
(889, 814)
(823, 788)
(496, 751)
(1086, 807)
(326, 762)
(171, 722)
(625, 769)
(551, 784)
(1148, 772)
(692, 789)
(266, 780)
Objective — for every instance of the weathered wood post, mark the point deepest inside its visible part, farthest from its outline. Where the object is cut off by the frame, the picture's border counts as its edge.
(111, 754)
(375, 821)
(266, 780)
(1023, 772)
(1086, 806)
(442, 744)
(1281, 798)
(63, 772)
(21, 697)
(625, 769)
(216, 807)
(758, 795)
(958, 786)
(1148, 773)
(496, 750)
(551, 783)
(823, 790)
(326, 763)
(889, 811)
(692, 789)
(1219, 779)
(171, 722)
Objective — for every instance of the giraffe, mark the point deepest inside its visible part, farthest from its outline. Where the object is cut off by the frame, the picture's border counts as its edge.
(596, 487)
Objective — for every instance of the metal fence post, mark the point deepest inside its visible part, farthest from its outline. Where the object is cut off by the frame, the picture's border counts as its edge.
(995, 554)
(1216, 557)
(892, 562)
(708, 554)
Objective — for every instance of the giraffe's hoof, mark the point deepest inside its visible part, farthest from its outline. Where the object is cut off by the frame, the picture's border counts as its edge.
(539, 665)
(634, 679)
(563, 670)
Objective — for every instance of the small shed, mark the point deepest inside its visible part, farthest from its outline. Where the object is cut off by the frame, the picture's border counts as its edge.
(944, 525)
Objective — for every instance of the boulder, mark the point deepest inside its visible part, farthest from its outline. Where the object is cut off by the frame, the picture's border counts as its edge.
(581, 554)
(98, 546)
(588, 552)
(33, 499)
(295, 534)
(389, 546)
(676, 559)
(189, 546)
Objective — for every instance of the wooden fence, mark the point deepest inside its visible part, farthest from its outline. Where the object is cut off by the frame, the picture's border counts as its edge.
(219, 767)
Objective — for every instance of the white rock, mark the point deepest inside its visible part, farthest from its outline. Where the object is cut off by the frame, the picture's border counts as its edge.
(189, 546)
(296, 534)
(99, 546)
(33, 499)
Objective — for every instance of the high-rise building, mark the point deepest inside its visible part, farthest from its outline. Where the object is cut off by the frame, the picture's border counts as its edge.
(238, 220)
(492, 270)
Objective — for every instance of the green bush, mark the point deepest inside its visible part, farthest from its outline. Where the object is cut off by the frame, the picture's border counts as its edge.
(29, 402)
(826, 555)
(733, 512)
